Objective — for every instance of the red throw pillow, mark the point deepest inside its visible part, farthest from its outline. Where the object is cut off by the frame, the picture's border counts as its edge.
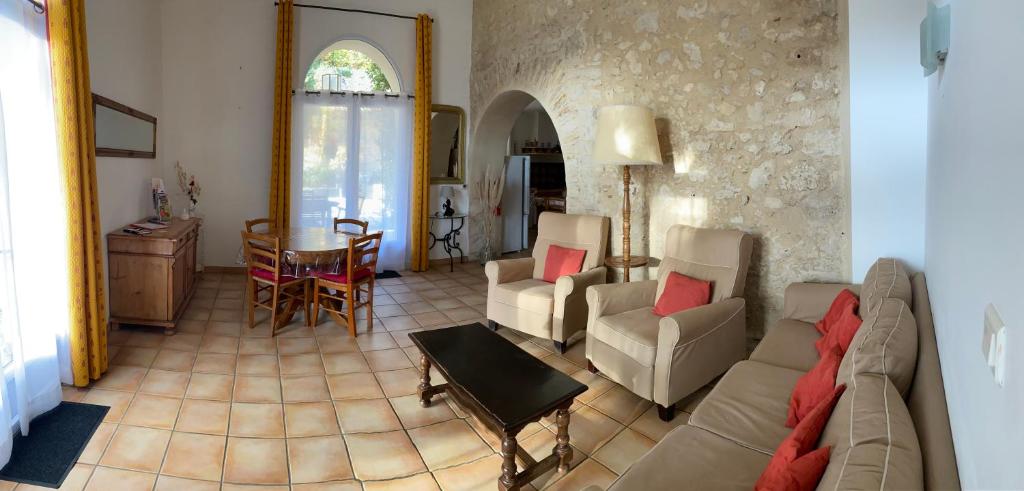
(562, 261)
(682, 292)
(841, 333)
(801, 475)
(814, 387)
(839, 305)
(786, 470)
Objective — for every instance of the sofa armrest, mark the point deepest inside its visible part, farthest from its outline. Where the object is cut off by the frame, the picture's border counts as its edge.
(509, 270)
(808, 302)
(616, 298)
(697, 345)
(571, 302)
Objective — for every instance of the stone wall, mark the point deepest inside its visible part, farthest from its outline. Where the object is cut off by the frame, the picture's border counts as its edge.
(746, 95)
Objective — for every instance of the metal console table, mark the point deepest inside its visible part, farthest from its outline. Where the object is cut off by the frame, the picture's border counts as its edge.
(449, 240)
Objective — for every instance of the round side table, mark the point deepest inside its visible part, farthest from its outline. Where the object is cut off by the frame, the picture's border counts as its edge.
(619, 262)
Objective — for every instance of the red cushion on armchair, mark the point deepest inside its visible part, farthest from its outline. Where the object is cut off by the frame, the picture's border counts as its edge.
(562, 261)
(681, 293)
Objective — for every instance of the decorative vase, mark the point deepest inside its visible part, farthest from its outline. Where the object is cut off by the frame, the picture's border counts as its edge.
(185, 215)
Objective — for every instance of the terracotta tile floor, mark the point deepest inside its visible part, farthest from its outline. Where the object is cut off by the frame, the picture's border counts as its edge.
(223, 406)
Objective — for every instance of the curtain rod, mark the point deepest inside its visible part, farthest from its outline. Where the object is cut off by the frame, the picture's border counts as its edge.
(353, 93)
(358, 11)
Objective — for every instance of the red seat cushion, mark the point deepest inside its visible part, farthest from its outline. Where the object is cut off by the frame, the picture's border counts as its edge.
(343, 277)
(562, 261)
(267, 275)
(841, 333)
(795, 466)
(835, 311)
(681, 293)
(814, 387)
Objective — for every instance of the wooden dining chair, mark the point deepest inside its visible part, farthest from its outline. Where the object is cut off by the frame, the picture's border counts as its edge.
(359, 224)
(263, 257)
(353, 287)
(250, 225)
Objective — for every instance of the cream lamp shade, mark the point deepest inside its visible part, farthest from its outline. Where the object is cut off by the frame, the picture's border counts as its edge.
(626, 136)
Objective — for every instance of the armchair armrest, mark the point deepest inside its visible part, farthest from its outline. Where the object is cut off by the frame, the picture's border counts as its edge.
(808, 302)
(509, 270)
(616, 298)
(697, 345)
(570, 313)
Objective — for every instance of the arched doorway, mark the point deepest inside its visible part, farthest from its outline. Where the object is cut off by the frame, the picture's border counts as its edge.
(516, 131)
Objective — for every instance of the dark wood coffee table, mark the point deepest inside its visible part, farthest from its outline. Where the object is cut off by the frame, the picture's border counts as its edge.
(504, 387)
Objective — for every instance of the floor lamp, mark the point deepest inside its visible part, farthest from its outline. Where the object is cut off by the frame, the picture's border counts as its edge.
(626, 136)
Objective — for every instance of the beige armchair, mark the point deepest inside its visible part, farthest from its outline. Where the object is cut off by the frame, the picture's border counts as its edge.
(519, 299)
(664, 359)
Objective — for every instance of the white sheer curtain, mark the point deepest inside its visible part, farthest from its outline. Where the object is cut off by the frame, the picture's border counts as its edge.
(356, 162)
(33, 245)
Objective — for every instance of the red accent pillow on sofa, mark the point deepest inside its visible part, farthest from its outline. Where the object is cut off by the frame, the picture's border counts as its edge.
(562, 261)
(841, 333)
(795, 465)
(815, 386)
(682, 292)
(835, 311)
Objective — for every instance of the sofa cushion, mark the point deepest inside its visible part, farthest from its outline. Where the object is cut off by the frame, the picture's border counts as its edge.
(633, 332)
(841, 334)
(785, 468)
(681, 293)
(749, 405)
(885, 279)
(886, 343)
(691, 458)
(719, 256)
(874, 443)
(814, 387)
(531, 294)
(789, 344)
(843, 301)
(562, 261)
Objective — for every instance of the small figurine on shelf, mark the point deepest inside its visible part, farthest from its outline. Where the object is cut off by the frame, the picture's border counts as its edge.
(190, 187)
(447, 193)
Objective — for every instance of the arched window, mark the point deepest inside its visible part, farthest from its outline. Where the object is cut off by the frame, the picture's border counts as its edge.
(352, 65)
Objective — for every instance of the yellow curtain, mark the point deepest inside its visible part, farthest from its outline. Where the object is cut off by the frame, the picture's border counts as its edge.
(421, 145)
(281, 150)
(72, 97)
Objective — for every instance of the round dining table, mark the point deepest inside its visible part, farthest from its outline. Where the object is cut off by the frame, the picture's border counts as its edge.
(309, 250)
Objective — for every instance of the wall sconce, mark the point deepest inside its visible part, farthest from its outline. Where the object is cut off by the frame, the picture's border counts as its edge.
(934, 38)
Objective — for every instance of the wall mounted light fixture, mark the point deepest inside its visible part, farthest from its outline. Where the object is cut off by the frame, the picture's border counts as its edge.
(934, 38)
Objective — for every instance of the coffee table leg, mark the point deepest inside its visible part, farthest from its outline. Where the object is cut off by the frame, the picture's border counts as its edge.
(562, 448)
(424, 387)
(507, 481)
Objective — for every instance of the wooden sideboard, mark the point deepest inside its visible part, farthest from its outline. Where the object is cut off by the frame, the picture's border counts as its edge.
(152, 277)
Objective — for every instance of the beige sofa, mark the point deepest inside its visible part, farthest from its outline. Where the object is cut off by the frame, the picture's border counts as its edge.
(519, 299)
(664, 359)
(890, 429)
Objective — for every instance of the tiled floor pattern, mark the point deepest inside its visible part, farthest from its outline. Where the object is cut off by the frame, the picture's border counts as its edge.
(223, 406)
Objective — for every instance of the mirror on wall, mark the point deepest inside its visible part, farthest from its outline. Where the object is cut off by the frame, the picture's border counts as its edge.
(447, 144)
(121, 131)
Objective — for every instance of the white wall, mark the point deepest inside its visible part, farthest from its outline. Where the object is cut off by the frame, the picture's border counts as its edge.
(124, 65)
(888, 103)
(218, 62)
(975, 231)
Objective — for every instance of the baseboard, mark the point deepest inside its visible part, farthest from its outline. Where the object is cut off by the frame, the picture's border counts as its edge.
(444, 261)
(224, 269)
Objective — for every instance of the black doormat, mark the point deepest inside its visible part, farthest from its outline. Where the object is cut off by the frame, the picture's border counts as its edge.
(387, 273)
(54, 442)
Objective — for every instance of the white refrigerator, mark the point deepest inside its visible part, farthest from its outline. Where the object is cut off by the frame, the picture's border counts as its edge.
(515, 204)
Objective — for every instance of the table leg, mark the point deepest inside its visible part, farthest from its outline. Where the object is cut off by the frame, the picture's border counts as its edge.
(424, 387)
(507, 481)
(562, 448)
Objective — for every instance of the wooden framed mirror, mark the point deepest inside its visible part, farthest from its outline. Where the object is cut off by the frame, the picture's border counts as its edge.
(120, 131)
(447, 144)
